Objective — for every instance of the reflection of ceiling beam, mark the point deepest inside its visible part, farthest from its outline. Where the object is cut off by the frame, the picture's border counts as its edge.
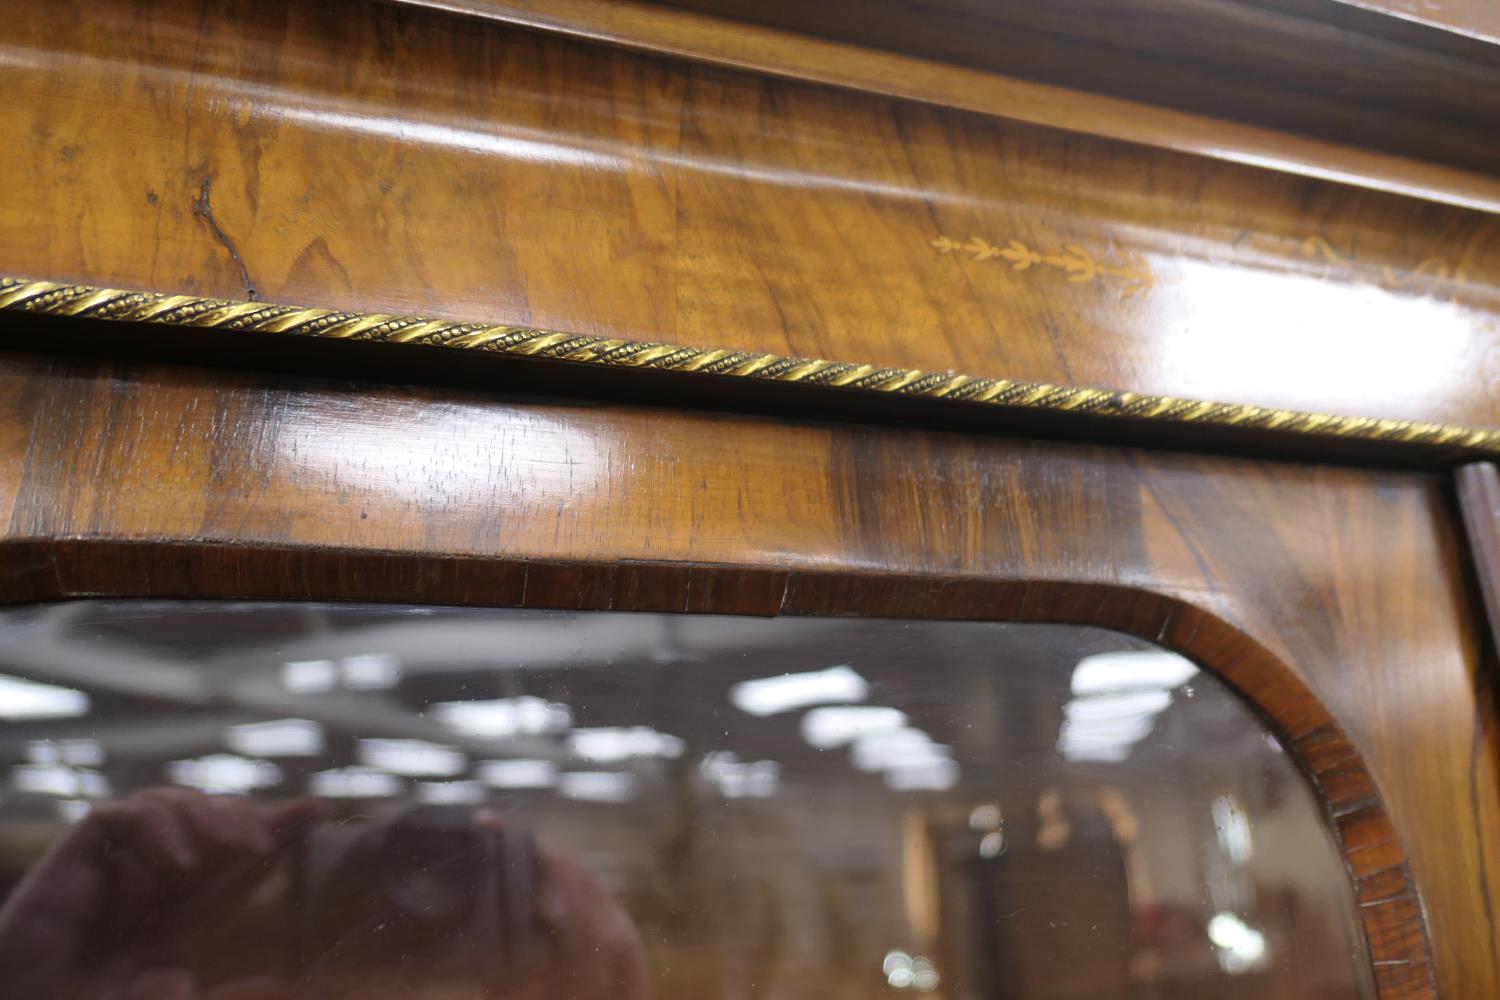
(463, 641)
(150, 738)
(95, 668)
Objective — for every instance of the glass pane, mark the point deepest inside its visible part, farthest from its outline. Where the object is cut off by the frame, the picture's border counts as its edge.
(316, 800)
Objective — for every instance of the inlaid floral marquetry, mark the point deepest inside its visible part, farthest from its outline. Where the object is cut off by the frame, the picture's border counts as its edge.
(1077, 264)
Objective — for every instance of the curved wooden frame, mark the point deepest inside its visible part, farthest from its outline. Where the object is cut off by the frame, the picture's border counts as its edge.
(1389, 906)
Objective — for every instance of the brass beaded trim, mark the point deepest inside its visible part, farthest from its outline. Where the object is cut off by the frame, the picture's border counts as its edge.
(83, 301)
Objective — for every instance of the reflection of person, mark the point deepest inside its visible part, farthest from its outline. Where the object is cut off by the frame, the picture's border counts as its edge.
(107, 913)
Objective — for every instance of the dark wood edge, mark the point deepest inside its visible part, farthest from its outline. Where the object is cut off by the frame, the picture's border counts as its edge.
(1478, 487)
(1389, 903)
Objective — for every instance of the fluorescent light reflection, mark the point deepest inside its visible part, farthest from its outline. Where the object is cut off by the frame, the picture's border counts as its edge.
(835, 725)
(361, 672)
(74, 753)
(597, 786)
(277, 738)
(224, 773)
(309, 676)
(737, 779)
(59, 781)
(1241, 947)
(24, 699)
(413, 758)
(503, 717)
(769, 695)
(519, 773)
(905, 748)
(1134, 670)
(354, 783)
(608, 745)
(450, 793)
(1117, 697)
(936, 775)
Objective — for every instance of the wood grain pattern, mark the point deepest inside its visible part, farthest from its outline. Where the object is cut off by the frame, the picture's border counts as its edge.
(1320, 67)
(514, 178)
(1478, 485)
(166, 481)
(689, 34)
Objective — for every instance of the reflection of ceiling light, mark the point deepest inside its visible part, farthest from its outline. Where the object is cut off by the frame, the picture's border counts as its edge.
(1232, 827)
(904, 972)
(1126, 729)
(277, 738)
(609, 744)
(77, 753)
(222, 772)
(503, 717)
(596, 786)
(370, 671)
(1128, 705)
(354, 783)
(361, 672)
(60, 781)
(835, 725)
(309, 676)
(1103, 752)
(23, 699)
(517, 773)
(414, 758)
(1130, 670)
(1105, 727)
(985, 817)
(1243, 946)
(906, 747)
(936, 775)
(72, 810)
(450, 793)
(769, 695)
(737, 779)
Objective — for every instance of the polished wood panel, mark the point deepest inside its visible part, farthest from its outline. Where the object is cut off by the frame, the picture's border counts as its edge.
(161, 480)
(1416, 90)
(1474, 17)
(680, 32)
(1478, 486)
(516, 178)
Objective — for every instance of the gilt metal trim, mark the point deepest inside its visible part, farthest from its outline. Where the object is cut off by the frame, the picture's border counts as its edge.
(87, 302)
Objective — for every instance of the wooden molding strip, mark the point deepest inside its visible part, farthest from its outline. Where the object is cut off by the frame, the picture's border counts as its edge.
(705, 38)
(49, 298)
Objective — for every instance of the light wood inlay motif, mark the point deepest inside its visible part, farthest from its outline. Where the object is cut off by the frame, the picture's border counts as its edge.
(1079, 265)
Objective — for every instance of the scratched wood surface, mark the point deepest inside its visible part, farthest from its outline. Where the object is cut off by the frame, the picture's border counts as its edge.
(371, 157)
(152, 479)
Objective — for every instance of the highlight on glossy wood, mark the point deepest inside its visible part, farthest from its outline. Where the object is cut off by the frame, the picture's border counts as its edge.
(1317, 67)
(224, 485)
(762, 48)
(47, 298)
(521, 179)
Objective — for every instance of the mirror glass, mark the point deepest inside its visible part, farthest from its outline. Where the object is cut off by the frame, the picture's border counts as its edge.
(216, 800)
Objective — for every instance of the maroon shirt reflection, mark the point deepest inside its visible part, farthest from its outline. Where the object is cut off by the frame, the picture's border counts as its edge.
(111, 911)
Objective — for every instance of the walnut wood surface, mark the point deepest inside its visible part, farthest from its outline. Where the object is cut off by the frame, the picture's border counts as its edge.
(1321, 67)
(1478, 485)
(155, 480)
(760, 48)
(361, 156)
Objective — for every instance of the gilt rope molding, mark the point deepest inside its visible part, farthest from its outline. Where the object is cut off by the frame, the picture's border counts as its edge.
(50, 298)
